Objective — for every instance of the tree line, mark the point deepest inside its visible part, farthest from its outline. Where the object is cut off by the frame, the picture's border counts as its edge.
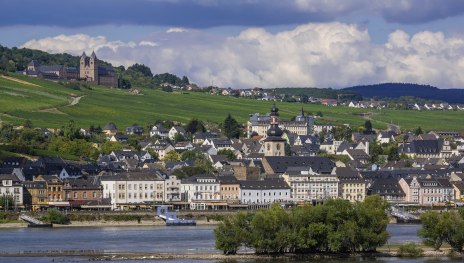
(443, 227)
(337, 226)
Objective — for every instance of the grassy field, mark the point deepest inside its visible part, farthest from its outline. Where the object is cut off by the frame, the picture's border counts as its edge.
(46, 104)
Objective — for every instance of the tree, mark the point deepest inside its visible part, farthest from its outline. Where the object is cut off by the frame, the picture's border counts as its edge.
(189, 155)
(232, 233)
(433, 231)
(418, 131)
(7, 202)
(231, 127)
(393, 154)
(194, 125)
(228, 153)
(171, 156)
(368, 125)
(141, 68)
(28, 124)
(375, 150)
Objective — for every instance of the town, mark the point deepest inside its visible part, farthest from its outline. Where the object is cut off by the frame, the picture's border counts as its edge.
(268, 161)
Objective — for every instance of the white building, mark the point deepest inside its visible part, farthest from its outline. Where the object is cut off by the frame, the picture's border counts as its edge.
(307, 184)
(264, 191)
(10, 185)
(172, 187)
(260, 124)
(174, 131)
(129, 190)
(200, 189)
(160, 131)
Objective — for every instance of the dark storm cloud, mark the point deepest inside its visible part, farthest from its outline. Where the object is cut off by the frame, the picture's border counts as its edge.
(213, 13)
(422, 11)
(194, 14)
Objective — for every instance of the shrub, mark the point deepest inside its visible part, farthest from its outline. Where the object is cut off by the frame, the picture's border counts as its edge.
(54, 216)
(410, 250)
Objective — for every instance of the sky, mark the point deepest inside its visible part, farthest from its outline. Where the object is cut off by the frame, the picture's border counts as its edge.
(254, 43)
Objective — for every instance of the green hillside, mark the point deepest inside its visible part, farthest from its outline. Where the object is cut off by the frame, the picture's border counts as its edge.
(47, 104)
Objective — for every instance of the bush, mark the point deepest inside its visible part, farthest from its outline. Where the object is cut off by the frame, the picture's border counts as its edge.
(54, 216)
(410, 250)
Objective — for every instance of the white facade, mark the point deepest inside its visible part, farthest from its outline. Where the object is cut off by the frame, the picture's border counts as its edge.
(132, 189)
(11, 186)
(307, 185)
(264, 192)
(172, 187)
(201, 188)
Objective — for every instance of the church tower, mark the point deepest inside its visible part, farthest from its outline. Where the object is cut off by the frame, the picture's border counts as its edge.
(88, 69)
(274, 145)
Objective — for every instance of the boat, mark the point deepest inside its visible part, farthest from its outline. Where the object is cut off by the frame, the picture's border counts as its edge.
(171, 218)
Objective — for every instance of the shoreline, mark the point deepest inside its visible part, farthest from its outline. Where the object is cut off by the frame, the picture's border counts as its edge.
(119, 256)
(107, 224)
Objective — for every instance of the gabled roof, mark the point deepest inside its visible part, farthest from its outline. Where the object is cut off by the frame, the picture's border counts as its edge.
(279, 164)
(194, 179)
(266, 184)
(110, 127)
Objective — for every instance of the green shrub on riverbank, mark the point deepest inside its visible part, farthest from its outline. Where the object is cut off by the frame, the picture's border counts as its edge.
(8, 217)
(335, 227)
(410, 250)
(54, 216)
(443, 227)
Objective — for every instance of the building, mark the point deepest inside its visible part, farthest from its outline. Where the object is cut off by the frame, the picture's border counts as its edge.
(34, 69)
(260, 124)
(352, 185)
(11, 186)
(160, 131)
(133, 190)
(78, 191)
(307, 184)
(230, 188)
(55, 190)
(264, 191)
(134, 130)
(35, 195)
(427, 191)
(201, 191)
(91, 71)
(172, 189)
(274, 145)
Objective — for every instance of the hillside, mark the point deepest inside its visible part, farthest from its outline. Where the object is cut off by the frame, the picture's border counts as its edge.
(49, 104)
(396, 90)
(320, 93)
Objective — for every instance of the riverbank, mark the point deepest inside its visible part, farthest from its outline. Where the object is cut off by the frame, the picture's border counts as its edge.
(95, 255)
(108, 224)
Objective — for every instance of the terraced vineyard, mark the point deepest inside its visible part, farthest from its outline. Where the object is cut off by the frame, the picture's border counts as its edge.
(49, 104)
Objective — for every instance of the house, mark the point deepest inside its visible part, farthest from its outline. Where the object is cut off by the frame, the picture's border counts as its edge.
(357, 155)
(458, 187)
(172, 187)
(386, 137)
(200, 137)
(219, 143)
(162, 149)
(266, 191)
(430, 148)
(387, 188)
(119, 137)
(78, 191)
(133, 189)
(11, 186)
(427, 190)
(35, 195)
(70, 171)
(230, 188)
(329, 102)
(134, 130)
(160, 131)
(175, 130)
(352, 185)
(110, 129)
(55, 190)
(307, 184)
(201, 191)
(280, 164)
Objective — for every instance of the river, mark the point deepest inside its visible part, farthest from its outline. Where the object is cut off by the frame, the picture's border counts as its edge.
(178, 240)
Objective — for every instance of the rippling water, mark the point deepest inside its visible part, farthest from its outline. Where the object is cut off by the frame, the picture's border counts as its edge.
(184, 239)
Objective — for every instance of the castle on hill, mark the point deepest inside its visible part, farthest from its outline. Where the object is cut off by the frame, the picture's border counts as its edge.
(89, 70)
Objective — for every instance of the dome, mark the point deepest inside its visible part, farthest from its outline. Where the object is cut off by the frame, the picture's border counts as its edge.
(275, 131)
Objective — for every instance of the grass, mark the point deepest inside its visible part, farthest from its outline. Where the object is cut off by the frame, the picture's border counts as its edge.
(47, 106)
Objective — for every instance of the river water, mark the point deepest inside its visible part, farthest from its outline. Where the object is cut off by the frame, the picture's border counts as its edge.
(179, 240)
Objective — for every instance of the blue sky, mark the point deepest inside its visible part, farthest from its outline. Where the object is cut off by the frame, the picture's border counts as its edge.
(245, 43)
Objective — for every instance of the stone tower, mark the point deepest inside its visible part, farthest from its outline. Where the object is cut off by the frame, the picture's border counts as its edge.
(89, 68)
(274, 145)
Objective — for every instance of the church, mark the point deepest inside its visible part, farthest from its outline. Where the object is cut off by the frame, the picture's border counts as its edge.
(89, 70)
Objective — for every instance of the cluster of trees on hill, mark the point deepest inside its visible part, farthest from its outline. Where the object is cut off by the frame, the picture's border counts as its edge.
(397, 90)
(337, 226)
(137, 75)
(328, 93)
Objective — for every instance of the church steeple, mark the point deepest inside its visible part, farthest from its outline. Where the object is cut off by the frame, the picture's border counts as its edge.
(93, 55)
(274, 144)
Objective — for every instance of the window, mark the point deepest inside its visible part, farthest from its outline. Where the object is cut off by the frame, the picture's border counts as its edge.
(75, 195)
(84, 195)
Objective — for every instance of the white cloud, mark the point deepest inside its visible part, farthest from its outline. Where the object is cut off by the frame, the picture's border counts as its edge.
(176, 30)
(320, 54)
